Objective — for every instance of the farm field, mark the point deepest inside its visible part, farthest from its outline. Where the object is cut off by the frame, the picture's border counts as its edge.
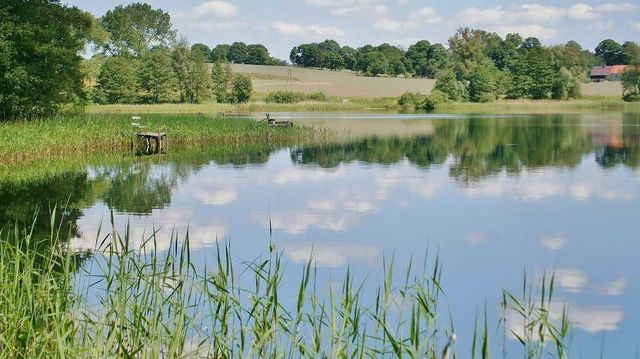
(347, 84)
(333, 83)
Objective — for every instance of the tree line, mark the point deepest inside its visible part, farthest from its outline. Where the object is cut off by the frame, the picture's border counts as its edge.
(478, 65)
(138, 58)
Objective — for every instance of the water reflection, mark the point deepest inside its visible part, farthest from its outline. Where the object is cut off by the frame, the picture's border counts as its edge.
(549, 193)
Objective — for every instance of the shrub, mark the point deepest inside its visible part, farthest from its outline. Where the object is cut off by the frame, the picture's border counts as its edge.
(631, 97)
(285, 97)
(487, 97)
(242, 88)
(316, 96)
(438, 96)
(411, 99)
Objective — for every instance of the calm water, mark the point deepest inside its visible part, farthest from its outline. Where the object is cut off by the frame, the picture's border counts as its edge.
(495, 195)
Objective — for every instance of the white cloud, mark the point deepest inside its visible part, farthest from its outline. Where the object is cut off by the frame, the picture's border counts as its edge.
(618, 7)
(218, 197)
(572, 280)
(616, 288)
(388, 25)
(296, 175)
(352, 7)
(215, 8)
(582, 11)
(295, 29)
(592, 319)
(553, 243)
(331, 255)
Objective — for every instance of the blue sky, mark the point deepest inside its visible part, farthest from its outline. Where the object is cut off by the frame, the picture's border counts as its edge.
(280, 25)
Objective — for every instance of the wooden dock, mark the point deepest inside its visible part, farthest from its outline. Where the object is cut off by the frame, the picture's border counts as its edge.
(154, 142)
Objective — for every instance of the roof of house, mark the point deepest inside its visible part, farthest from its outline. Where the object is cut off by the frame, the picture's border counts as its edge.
(607, 70)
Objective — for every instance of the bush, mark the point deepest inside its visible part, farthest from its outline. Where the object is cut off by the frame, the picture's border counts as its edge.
(411, 99)
(242, 88)
(431, 102)
(438, 96)
(486, 97)
(285, 97)
(631, 97)
(316, 96)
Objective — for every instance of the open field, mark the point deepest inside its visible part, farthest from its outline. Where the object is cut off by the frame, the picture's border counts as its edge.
(333, 83)
(347, 84)
(607, 88)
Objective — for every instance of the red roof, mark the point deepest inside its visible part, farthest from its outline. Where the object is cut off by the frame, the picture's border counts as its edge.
(607, 70)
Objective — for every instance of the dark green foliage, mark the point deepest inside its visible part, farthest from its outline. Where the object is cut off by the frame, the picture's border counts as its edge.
(533, 74)
(136, 28)
(257, 55)
(156, 76)
(116, 81)
(220, 53)
(39, 63)
(238, 53)
(482, 82)
(242, 88)
(285, 97)
(611, 52)
(530, 43)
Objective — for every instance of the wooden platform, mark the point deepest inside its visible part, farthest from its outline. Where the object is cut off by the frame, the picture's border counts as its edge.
(154, 142)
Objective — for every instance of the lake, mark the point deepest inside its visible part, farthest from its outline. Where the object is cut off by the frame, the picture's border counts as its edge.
(494, 196)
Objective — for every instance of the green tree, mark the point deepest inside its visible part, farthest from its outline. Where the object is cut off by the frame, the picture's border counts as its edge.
(448, 84)
(631, 83)
(631, 53)
(533, 74)
(155, 74)
(349, 56)
(220, 53)
(238, 53)
(192, 73)
(116, 81)
(611, 52)
(221, 78)
(482, 82)
(135, 28)
(206, 51)
(242, 88)
(565, 86)
(257, 55)
(39, 62)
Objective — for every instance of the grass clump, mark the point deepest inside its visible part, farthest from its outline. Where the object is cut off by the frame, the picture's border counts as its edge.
(141, 302)
(283, 97)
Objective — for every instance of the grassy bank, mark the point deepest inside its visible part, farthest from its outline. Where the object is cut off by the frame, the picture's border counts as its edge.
(84, 134)
(378, 104)
(138, 302)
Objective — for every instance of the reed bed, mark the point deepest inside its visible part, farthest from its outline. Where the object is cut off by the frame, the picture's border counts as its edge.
(141, 303)
(25, 140)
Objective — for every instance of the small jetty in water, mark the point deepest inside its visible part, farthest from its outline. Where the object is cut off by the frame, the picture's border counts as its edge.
(152, 142)
(273, 122)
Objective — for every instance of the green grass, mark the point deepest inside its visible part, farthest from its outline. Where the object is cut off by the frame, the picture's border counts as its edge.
(141, 303)
(26, 140)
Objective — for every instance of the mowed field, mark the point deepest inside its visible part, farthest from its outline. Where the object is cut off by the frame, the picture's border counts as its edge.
(347, 84)
(333, 83)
